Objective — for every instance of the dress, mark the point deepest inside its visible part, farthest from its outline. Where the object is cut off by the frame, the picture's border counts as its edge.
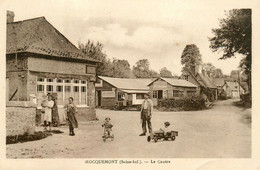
(71, 110)
(48, 110)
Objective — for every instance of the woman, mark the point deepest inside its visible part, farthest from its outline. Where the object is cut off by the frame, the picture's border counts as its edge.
(71, 110)
(47, 114)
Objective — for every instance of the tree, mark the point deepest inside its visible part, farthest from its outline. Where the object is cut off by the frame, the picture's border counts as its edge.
(209, 68)
(95, 51)
(234, 37)
(217, 73)
(141, 69)
(120, 68)
(164, 72)
(190, 56)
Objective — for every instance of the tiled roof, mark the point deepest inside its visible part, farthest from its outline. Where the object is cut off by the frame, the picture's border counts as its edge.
(234, 86)
(207, 81)
(176, 82)
(37, 35)
(128, 84)
(219, 82)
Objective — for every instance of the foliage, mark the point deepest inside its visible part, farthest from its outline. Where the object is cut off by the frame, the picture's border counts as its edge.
(234, 37)
(222, 95)
(190, 56)
(116, 68)
(142, 69)
(26, 137)
(164, 72)
(190, 103)
(246, 100)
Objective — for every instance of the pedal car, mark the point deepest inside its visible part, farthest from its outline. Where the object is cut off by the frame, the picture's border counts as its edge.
(160, 135)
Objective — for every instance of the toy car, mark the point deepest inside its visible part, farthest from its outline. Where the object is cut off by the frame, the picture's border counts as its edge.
(160, 135)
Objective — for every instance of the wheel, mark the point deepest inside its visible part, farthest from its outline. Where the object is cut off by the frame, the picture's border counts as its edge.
(149, 138)
(173, 137)
(155, 140)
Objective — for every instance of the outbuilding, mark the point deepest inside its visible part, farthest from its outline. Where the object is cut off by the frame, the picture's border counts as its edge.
(170, 88)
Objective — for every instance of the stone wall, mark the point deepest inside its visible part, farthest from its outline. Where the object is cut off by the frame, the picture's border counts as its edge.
(20, 118)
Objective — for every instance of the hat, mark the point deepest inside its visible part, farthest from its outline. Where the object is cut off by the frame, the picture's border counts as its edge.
(107, 118)
(167, 123)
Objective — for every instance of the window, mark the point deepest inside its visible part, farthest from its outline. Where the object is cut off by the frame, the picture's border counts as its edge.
(191, 93)
(83, 88)
(49, 80)
(59, 80)
(40, 79)
(178, 93)
(90, 70)
(121, 96)
(49, 88)
(155, 94)
(76, 81)
(40, 88)
(139, 96)
(59, 88)
(67, 88)
(186, 77)
(76, 88)
(83, 82)
(67, 81)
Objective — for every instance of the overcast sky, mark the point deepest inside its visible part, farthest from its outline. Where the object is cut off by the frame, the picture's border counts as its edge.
(133, 30)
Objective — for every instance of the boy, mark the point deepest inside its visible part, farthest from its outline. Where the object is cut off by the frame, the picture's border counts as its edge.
(108, 126)
(166, 128)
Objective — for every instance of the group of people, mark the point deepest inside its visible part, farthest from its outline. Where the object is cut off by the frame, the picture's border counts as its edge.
(70, 108)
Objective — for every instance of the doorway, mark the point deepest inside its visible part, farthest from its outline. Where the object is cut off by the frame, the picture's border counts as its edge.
(98, 98)
(160, 94)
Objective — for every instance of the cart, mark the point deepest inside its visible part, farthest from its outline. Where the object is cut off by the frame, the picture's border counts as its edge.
(160, 135)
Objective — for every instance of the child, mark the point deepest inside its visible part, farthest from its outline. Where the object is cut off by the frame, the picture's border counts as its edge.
(166, 128)
(107, 127)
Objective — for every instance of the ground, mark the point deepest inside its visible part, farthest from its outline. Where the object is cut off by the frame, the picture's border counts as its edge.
(221, 132)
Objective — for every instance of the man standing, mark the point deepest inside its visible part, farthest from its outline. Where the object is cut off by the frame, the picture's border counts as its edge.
(146, 114)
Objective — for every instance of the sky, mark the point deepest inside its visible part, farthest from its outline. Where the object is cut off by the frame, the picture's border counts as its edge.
(134, 30)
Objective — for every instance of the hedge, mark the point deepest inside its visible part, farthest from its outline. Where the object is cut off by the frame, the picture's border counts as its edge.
(187, 104)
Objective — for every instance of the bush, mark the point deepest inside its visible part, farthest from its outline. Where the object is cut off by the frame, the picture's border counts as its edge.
(246, 99)
(187, 104)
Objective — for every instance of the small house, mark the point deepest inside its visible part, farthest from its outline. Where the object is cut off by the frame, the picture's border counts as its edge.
(170, 88)
(233, 89)
(110, 91)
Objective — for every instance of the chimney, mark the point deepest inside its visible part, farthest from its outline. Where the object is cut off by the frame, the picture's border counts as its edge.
(10, 17)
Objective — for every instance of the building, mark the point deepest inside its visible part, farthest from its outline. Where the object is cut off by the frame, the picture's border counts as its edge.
(40, 60)
(110, 91)
(202, 80)
(170, 88)
(233, 89)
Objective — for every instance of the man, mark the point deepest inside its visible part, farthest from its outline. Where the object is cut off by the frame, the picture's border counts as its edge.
(146, 114)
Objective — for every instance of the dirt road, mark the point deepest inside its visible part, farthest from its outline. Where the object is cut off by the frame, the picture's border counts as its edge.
(220, 132)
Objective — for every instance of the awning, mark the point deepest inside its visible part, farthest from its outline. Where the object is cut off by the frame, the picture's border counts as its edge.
(135, 91)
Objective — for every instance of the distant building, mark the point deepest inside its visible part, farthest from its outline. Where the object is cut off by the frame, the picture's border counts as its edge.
(39, 59)
(233, 89)
(202, 80)
(110, 91)
(170, 88)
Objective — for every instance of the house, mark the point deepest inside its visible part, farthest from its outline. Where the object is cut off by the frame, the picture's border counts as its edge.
(170, 88)
(110, 91)
(233, 89)
(201, 80)
(40, 60)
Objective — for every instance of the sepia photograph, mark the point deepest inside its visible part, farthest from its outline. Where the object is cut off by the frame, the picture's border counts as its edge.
(126, 82)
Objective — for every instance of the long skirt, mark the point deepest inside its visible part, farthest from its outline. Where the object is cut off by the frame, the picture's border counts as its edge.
(72, 120)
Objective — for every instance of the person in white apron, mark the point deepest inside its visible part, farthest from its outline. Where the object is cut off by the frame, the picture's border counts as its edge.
(47, 114)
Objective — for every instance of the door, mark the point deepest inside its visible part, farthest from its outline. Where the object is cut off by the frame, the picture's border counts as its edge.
(160, 94)
(98, 98)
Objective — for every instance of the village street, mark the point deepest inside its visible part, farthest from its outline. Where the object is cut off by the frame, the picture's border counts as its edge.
(221, 132)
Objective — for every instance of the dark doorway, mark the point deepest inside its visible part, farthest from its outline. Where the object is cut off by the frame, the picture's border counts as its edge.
(160, 94)
(98, 98)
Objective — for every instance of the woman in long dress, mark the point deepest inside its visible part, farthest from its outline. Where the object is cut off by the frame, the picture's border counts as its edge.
(71, 110)
(47, 114)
